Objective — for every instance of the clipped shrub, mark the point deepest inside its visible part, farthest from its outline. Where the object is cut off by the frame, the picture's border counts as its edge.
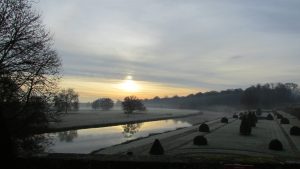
(157, 148)
(251, 117)
(285, 121)
(275, 145)
(295, 130)
(235, 116)
(279, 116)
(200, 140)
(245, 127)
(258, 111)
(130, 153)
(255, 118)
(270, 117)
(224, 120)
(204, 128)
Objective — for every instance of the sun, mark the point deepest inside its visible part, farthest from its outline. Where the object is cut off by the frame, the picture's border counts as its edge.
(129, 85)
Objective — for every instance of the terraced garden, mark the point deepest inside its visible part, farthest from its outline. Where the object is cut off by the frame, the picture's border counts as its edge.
(223, 138)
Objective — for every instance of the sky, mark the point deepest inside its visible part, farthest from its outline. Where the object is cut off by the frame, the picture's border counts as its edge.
(147, 48)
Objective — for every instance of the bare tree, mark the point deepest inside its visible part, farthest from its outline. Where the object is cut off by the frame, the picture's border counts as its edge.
(29, 68)
(66, 100)
(132, 103)
(103, 103)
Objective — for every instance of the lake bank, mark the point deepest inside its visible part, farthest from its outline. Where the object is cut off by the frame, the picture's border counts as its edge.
(91, 119)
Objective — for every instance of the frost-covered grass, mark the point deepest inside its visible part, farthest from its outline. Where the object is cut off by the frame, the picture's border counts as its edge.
(223, 139)
(228, 140)
(293, 122)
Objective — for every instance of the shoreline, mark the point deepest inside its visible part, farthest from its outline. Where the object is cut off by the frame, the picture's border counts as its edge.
(129, 121)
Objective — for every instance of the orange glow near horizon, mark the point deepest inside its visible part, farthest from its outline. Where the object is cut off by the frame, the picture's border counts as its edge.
(129, 85)
(90, 89)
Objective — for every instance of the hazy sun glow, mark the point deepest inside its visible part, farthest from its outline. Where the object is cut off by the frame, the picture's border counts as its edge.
(90, 89)
(129, 85)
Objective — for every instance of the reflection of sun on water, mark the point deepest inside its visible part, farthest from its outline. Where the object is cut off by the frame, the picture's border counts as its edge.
(129, 85)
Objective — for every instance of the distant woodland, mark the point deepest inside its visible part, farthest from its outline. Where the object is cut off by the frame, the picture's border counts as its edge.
(268, 95)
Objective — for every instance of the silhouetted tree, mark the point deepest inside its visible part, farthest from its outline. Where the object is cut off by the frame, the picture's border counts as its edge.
(66, 100)
(245, 127)
(132, 103)
(250, 97)
(267, 95)
(258, 111)
(252, 118)
(29, 69)
(103, 103)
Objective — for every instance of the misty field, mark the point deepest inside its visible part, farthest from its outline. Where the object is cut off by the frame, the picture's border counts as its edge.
(222, 139)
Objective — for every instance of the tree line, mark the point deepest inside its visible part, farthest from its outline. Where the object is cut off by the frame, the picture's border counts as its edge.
(267, 96)
(129, 104)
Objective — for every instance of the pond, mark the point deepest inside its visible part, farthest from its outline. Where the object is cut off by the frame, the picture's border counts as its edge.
(87, 140)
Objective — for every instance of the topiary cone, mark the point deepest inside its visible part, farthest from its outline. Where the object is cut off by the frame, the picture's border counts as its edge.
(295, 131)
(275, 145)
(157, 148)
(285, 121)
(204, 128)
(200, 140)
(224, 120)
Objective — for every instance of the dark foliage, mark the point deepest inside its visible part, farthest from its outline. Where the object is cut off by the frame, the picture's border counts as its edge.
(252, 119)
(285, 121)
(241, 115)
(245, 127)
(275, 145)
(224, 120)
(204, 128)
(279, 116)
(29, 70)
(132, 103)
(130, 153)
(157, 148)
(258, 112)
(200, 140)
(235, 116)
(267, 95)
(66, 100)
(294, 110)
(103, 103)
(295, 130)
(270, 117)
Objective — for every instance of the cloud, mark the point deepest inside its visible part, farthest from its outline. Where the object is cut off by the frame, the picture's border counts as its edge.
(204, 44)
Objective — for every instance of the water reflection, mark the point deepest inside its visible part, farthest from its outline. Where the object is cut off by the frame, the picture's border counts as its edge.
(91, 139)
(130, 129)
(67, 136)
